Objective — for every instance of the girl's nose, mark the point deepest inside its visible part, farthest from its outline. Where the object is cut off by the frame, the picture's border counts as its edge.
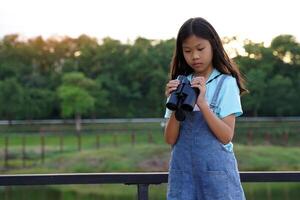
(195, 55)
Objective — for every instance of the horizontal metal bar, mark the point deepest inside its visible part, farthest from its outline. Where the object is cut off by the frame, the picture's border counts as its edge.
(137, 120)
(132, 178)
(83, 178)
(270, 176)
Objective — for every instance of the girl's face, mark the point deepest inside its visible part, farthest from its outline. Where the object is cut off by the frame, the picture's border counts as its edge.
(198, 54)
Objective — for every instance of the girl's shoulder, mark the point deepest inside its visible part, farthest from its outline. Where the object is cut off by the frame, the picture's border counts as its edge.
(229, 81)
(229, 98)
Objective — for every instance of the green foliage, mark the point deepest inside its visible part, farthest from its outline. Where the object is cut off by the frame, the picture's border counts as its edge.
(272, 77)
(109, 79)
(75, 100)
(74, 94)
(11, 98)
(38, 103)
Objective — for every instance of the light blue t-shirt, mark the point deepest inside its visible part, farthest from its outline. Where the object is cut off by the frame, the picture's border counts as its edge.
(228, 101)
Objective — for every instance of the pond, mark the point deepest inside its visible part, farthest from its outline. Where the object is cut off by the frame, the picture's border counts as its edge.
(253, 191)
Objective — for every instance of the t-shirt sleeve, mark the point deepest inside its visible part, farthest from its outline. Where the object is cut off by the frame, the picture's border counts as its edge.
(168, 112)
(229, 99)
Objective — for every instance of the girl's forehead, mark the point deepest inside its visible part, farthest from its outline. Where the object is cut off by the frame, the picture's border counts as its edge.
(194, 41)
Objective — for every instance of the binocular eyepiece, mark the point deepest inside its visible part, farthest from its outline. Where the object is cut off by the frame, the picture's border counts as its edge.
(182, 99)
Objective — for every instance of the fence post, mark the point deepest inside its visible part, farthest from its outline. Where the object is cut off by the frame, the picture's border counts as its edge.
(115, 140)
(143, 191)
(250, 137)
(133, 138)
(267, 138)
(79, 140)
(286, 138)
(98, 141)
(286, 192)
(7, 192)
(269, 192)
(42, 147)
(150, 138)
(23, 150)
(6, 142)
(61, 142)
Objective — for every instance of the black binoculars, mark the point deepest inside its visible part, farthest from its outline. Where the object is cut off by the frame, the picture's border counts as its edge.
(183, 99)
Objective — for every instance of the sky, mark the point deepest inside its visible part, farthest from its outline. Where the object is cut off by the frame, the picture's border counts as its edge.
(125, 20)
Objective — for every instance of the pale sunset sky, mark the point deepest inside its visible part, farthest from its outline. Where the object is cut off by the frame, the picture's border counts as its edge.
(126, 20)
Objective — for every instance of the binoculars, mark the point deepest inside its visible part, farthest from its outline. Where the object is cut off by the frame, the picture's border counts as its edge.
(183, 99)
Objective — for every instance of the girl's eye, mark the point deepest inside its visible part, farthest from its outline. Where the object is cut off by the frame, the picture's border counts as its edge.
(187, 51)
(200, 49)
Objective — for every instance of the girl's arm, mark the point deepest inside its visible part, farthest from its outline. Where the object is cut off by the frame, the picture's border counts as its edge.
(172, 125)
(222, 128)
(171, 130)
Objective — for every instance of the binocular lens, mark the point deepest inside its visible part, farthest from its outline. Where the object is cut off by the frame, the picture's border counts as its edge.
(187, 107)
(171, 106)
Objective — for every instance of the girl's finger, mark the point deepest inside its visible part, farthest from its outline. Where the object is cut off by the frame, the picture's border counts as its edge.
(169, 90)
(196, 83)
(199, 80)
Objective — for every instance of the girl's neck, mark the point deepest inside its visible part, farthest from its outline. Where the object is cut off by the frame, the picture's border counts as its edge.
(206, 73)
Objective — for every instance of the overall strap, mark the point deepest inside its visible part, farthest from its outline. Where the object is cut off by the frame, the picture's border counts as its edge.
(213, 103)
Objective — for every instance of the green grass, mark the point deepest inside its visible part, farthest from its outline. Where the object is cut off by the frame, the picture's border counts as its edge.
(148, 157)
(116, 153)
(283, 133)
(268, 157)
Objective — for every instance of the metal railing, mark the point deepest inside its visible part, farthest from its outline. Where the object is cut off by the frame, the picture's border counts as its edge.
(142, 180)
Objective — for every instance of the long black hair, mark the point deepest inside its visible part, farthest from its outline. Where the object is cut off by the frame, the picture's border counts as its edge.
(221, 61)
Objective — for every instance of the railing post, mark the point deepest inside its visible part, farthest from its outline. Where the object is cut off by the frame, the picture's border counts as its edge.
(143, 191)
(23, 150)
(150, 138)
(115, 140)
(42, 138)
(133, 138)
(61, 142)
(97, 141)
(78, 134)
(6, 143)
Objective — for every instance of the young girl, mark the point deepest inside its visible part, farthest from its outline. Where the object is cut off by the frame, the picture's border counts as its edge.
(203, 165)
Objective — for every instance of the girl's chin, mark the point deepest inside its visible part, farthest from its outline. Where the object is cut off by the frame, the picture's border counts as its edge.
(198, 71)
(201, 72)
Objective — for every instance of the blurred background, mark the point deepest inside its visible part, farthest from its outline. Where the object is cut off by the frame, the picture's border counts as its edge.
(82, 89)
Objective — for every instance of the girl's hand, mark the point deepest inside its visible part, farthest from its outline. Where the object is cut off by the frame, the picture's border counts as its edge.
(171, 86)
(200, 83)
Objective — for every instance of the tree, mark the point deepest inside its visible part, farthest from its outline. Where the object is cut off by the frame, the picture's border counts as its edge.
(75, 96)
(38, 103)
(286, 48)
(127, 80)
(11, 98)
(253, 103)
(281, 93)
(257, 65)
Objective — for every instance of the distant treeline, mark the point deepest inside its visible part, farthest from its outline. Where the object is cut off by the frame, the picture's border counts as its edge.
(39, 77)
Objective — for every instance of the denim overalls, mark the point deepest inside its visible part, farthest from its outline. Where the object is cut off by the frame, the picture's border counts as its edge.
(201, 168)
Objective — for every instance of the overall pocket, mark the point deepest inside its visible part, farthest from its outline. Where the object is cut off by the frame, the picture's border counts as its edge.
(174, 184)
(215, 185)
